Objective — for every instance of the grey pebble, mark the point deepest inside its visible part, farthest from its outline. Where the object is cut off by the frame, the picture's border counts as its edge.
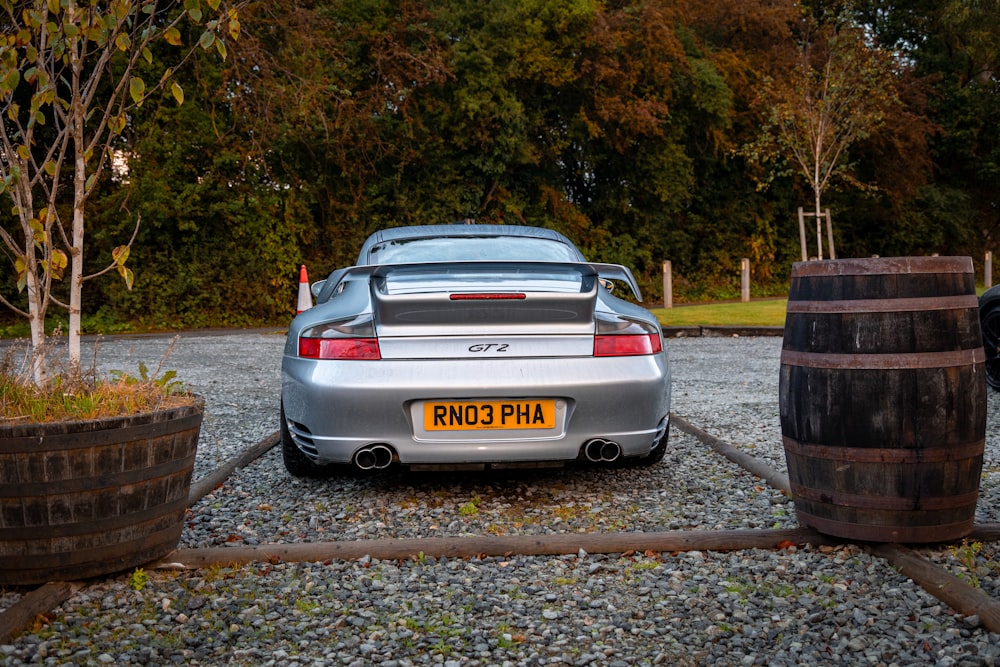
(806, 605)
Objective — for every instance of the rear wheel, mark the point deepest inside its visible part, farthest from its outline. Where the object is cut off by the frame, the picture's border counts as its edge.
(297, 463)
(656, 454)
(989, 319)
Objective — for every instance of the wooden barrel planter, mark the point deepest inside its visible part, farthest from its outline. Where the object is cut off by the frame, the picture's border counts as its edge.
(82, 499)
(883, 397)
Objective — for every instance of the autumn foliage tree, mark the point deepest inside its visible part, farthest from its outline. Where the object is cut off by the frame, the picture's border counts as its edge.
(633, 126)
(839, 91)
(71, 73)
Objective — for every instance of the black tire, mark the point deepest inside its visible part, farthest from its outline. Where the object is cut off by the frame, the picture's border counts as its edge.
(297, 463)
(657, 453)
(989, 319)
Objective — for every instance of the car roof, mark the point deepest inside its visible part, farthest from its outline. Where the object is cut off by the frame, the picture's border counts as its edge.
(458, 229)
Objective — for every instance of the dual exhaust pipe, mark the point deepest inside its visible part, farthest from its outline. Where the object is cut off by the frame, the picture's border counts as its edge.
(373, 457)
(379, 456)
(600, 450)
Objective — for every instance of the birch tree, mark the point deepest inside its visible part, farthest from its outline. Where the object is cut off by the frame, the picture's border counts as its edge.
(838, 92)
(71, 72)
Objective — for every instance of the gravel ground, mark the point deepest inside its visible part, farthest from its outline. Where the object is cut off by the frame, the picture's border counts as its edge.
(807, 605)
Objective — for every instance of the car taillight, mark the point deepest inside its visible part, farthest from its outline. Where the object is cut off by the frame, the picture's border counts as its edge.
(349, 340)
(339, 348)
(626, 346)
(620, 337)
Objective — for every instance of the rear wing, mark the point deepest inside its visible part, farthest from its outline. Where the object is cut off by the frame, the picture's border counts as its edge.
(323, 290)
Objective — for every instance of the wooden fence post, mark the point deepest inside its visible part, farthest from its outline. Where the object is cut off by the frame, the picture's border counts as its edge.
(829, 234)
(668, 285)
(802, 234)
(745, 279)
(988, 278)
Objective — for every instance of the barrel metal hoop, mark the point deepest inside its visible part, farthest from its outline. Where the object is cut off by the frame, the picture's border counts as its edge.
(873, 306)
(884, 455)
(895, 360)
(88, 562)
(886, 532)
(883, 266)
(99, 437)
(112, 480)
(893, 504)
(128, 520)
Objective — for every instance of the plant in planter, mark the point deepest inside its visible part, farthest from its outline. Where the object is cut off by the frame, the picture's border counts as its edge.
(101, 492)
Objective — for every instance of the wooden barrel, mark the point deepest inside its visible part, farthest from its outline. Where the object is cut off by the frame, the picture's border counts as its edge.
(883, 397)
(82, 499)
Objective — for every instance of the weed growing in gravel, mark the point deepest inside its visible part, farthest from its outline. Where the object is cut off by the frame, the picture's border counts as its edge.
(966, 553)
(138, 579)
(306, 606)
(633, 570)
(470, 508)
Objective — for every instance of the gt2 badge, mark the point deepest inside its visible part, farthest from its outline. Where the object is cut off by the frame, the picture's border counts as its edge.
(488, 347)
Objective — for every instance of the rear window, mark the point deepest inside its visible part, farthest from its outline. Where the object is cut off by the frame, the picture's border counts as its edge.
(472, 248)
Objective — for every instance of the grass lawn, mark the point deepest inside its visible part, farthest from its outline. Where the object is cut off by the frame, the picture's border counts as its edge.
(762, 313)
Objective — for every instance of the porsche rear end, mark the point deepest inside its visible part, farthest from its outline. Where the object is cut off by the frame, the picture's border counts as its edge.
(474, 363)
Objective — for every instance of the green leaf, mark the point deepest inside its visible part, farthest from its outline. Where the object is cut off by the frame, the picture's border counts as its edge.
(90, 182)
(193, 8)
(177, 92)
(220, 46)
(13, 78)
(147, 55)
(128, 276)
(58, 264)
(207, 39)
(137, 88)
(123, 42)
(120, 254)
(50, 168)
(172, 36)
(214, 4)
(22, 273)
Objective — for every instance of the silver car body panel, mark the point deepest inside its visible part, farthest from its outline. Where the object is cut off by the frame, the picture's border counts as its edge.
(441, 340)
(342, 406)
(486, 347)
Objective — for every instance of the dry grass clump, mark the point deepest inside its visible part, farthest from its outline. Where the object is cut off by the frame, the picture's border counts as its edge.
(90, 396)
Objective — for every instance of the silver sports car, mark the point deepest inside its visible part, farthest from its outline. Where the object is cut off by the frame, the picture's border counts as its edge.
(472, 346)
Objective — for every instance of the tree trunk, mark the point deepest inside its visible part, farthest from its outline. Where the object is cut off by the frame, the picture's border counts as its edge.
(819, 225)
(78, 114)
(36, 320)
(76, 274)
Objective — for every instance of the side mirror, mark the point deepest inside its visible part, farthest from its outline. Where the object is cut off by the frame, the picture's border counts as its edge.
(607, 284)
(317, 287)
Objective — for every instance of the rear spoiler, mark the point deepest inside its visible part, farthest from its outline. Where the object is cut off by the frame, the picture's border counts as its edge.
(323, 290)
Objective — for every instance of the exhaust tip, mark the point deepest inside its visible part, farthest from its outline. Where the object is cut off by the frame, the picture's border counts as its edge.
(374, 457)
(600, 450)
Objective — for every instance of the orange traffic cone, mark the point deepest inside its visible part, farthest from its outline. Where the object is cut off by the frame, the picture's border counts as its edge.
(305, 296)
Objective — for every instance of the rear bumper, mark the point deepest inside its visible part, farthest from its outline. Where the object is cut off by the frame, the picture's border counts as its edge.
(335, 408)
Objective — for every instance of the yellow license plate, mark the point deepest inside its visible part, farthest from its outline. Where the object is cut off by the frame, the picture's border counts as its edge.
(486, 415)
